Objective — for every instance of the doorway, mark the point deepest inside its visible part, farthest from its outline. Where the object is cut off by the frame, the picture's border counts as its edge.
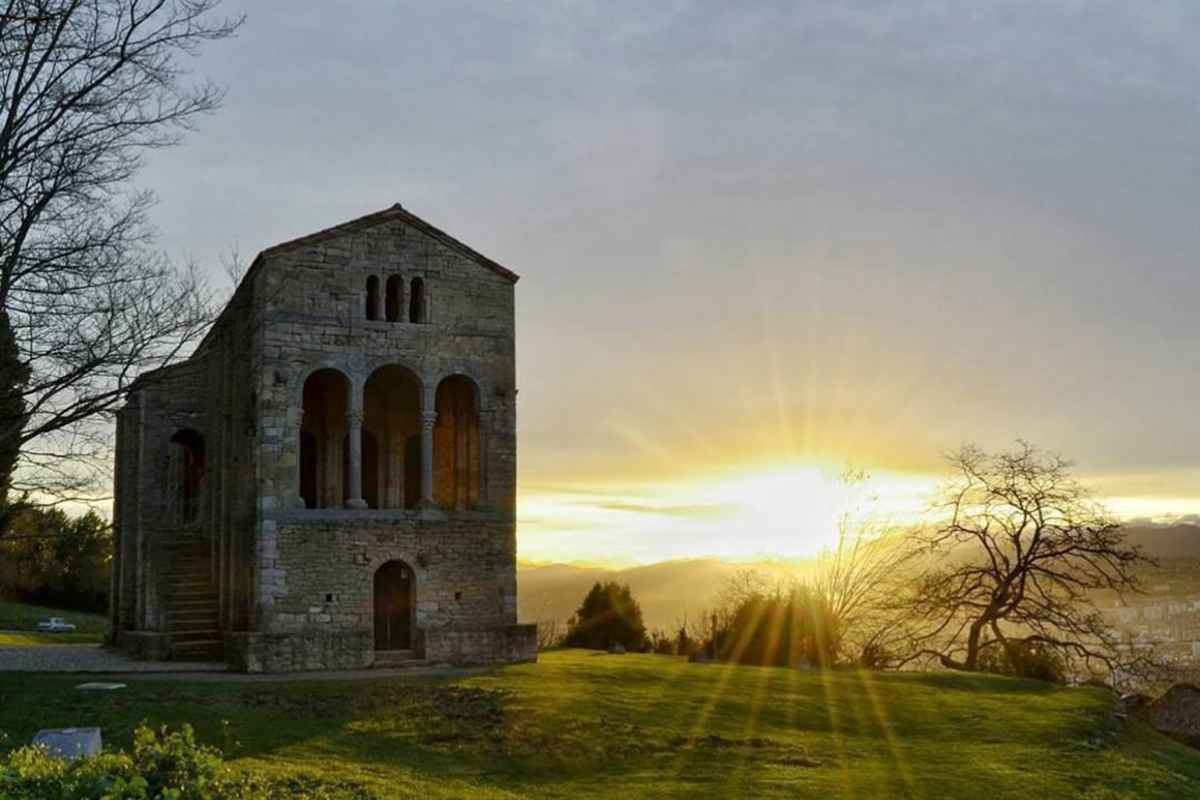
(393, 606)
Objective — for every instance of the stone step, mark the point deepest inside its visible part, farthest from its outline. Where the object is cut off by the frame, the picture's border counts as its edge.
(203, 650)
(192, 612)
(392, 658)
(191, 602)
(202, 624)
(189, 573)
(190, 637)
(190, 592)
(191, 585)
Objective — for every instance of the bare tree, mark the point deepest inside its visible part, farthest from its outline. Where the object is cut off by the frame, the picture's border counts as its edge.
(87, 87)
(860, 574)
(1021, 544)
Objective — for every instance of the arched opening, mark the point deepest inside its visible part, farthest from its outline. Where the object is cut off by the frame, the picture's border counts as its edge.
(185, 475)
(416, 301)
(395, 288)
(373, 297)
(326, 395)
(308, 470)
(394, 606)
(392, 414)
(456, 444)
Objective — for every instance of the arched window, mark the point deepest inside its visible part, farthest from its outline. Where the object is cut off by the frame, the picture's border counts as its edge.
(391, 417)
(185, 475)
(456, 444)
(395, 288)
(322, 430)
(416, 301)
(373, 297)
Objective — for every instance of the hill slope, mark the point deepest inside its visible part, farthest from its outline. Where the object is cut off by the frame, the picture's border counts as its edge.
(580, 724)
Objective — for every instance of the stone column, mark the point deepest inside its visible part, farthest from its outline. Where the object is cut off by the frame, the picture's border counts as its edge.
(428, 419)
(354, 421)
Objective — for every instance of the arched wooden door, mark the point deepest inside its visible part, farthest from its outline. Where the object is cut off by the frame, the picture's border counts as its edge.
(393, 606)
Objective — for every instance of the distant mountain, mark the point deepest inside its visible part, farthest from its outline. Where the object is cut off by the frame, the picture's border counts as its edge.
(1165, 541)
(667, 591)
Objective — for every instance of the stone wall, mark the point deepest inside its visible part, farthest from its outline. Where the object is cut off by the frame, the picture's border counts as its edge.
(464, 568)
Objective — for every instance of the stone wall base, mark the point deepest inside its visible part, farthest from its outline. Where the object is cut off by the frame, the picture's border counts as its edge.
(302, 652)
(145, 645)
(503, 644)
(296, 652)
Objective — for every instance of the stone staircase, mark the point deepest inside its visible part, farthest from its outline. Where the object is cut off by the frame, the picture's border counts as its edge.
(192, 609)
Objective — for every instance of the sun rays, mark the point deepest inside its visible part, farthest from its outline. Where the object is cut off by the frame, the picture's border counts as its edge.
(781, 511)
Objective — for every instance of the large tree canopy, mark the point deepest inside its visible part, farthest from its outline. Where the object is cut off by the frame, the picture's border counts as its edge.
(87, 87)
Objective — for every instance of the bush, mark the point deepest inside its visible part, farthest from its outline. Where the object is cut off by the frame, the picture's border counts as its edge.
(609, 615)
(779, 625)
(1021, 659)
(161, 766)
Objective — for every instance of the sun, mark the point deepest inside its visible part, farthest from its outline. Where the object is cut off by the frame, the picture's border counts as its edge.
(790, 511)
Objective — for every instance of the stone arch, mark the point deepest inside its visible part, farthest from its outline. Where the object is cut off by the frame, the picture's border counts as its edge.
(185, 475)
(326, 401)
(392, 413)
(456, 456)
(394, 298)
(395, 606)
(373, 297)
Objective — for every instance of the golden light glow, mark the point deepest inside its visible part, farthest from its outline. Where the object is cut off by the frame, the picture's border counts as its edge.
(783, 511)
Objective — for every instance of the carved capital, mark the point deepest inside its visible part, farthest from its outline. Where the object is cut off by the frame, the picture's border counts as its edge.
(428, 419)
(354, 418)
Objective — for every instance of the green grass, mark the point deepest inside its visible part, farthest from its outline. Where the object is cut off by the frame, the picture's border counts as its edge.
(39, 639)
(579, 724)
(22, 617)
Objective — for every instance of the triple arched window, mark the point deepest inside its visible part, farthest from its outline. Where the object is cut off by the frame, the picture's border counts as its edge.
(406, 460)
(395, 305)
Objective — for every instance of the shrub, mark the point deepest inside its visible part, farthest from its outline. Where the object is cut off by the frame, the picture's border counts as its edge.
(161, 766)
(1021, 659)
(773, 625)
(609, 615)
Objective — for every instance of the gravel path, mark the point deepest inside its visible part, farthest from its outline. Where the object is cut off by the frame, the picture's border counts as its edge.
(94, 660)
(90, 658)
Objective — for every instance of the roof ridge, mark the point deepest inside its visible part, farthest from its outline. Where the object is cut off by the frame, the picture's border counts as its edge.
(398, 212)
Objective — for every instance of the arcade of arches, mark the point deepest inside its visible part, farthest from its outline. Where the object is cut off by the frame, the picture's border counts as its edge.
(382, 450)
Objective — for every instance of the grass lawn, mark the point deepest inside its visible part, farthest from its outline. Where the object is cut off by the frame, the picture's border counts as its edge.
(579, 724)
(22, 617)
(38, 639)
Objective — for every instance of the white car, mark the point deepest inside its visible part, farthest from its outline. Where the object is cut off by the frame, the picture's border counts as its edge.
(55, 625)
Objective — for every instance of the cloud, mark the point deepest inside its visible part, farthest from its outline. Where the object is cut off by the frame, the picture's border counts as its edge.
(701, 511)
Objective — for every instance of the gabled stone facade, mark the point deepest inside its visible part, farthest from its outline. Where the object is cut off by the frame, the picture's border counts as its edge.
(330, 480)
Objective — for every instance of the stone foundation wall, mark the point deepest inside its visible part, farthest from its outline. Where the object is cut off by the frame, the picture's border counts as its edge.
(320, 609)
(302, 651)
(507, 644)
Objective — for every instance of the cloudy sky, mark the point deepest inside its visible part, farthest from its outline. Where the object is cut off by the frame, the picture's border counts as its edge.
(756, 239)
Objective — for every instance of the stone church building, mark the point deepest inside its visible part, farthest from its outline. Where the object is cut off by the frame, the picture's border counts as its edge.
(329, 482)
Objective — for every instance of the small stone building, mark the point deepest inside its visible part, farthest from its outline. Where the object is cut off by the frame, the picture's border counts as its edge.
(329, 482)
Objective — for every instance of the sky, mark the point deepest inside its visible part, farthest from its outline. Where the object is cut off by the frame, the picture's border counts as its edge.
(757, 241)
